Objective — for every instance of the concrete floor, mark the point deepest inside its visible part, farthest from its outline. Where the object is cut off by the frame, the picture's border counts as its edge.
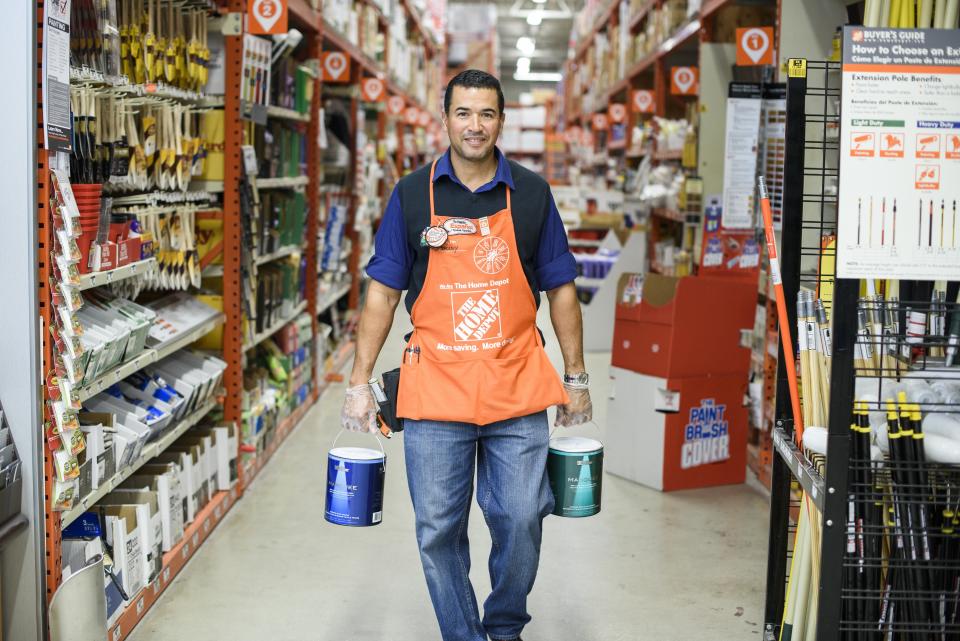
(662, 567)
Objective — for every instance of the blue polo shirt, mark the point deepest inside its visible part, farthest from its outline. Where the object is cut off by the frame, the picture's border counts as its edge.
(399, 261)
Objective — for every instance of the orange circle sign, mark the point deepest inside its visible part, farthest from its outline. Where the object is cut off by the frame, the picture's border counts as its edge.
(617, 112)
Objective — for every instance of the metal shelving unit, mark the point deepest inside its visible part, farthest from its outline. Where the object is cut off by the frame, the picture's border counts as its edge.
(869, 506)
(150, 451)
(97, 279)
(316, 39)
(276, 327)
(147, 357)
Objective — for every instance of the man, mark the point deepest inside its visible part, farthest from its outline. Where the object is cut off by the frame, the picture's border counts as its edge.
(474, 238)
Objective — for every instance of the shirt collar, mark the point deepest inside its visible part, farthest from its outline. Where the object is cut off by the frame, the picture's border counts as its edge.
(503, 175)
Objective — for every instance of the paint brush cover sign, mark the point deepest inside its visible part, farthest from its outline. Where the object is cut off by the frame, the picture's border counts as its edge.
(899, 154)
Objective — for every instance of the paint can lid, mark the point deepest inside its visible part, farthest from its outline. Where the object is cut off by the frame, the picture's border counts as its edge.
(357, 453)
(578, 444)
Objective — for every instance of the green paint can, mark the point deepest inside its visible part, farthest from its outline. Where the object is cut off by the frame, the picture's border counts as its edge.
(575, 467)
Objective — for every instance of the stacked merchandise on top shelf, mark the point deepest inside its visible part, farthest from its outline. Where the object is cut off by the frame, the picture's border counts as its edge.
(524, 135)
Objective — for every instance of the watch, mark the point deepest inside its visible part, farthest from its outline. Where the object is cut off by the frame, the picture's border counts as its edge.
(581, 378)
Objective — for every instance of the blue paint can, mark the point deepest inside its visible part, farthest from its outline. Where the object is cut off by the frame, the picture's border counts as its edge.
(355, 481)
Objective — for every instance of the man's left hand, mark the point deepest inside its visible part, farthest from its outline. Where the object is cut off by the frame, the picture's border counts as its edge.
(580, 408)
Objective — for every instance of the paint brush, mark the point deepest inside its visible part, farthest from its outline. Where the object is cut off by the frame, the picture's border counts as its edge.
(859, 219)
(920, 225)
(883, 222)
(893, 239)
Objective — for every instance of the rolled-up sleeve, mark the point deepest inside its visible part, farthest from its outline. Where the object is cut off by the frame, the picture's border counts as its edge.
(392, 257)
(555, 264)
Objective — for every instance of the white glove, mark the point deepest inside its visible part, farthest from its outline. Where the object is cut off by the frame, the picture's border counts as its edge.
(580, 408)
(359, 413)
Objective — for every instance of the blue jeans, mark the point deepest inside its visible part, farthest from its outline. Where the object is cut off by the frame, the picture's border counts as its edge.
(514, 493)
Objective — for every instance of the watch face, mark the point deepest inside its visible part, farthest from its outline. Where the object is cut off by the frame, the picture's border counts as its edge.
(580, 379)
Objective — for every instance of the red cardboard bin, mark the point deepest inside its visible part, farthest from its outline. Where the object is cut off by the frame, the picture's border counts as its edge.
(677, 434)
(684, 327)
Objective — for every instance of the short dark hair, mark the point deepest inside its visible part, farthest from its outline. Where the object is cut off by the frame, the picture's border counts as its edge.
(473, 79)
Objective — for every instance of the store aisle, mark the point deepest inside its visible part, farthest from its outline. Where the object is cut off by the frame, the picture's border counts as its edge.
(664, 567)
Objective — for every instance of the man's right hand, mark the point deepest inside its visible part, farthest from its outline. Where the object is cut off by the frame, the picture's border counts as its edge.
(359, 413)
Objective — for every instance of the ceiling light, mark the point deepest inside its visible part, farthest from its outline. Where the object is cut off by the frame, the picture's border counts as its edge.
(523, 64)
(534, 19)
(540, 1)
(538, 76)
(526, 45)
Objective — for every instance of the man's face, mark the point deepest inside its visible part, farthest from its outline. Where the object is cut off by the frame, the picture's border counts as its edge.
(473, 123)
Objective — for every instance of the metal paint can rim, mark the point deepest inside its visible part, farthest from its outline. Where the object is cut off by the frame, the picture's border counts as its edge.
(361, 454)
(575, 445)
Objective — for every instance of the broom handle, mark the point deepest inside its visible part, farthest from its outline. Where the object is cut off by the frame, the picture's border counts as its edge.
(782, 320)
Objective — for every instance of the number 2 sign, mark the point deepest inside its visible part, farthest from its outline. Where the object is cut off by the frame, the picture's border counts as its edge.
(265, 17)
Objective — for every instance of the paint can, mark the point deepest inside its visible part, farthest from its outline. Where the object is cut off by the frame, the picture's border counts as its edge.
(355, 482)
(575, 468)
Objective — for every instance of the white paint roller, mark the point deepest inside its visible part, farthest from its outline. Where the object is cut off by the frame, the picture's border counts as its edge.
(945, 425)
(941, 449)
(815, 439)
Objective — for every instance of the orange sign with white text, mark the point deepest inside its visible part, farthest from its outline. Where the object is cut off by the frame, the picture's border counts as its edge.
(266, 17)
(373, 90)
(754, 46)
(684, 81)
(396, 105)
(643, 101)
(336, 67)
(617, 112)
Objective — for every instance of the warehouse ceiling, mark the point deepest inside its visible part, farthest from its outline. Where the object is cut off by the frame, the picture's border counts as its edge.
(548, 28)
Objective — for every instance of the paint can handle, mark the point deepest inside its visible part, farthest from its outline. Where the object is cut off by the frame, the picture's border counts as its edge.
(574, 427)
(372, 434)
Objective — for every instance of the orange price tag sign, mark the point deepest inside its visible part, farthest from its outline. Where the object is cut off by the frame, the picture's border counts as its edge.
(411, 115)
(266, 17)
(617, 112)
(599, 121)
(684, 81)
(754, 46)
(643, 101)
(423, 118)
(336, 67)
(396, 105)
(372, 90)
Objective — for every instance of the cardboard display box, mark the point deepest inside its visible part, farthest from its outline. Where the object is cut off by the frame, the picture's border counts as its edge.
(684, 327)
(697, 439)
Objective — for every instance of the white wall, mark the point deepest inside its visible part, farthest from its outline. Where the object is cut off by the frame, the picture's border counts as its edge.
(19, 353)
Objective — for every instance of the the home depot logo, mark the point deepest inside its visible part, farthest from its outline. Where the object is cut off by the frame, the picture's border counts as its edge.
(476, 315)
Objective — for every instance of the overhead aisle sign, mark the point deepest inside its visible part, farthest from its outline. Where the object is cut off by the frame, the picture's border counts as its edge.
(899, 154)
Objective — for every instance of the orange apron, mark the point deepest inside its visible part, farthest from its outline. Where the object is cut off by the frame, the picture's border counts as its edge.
(475, 355)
